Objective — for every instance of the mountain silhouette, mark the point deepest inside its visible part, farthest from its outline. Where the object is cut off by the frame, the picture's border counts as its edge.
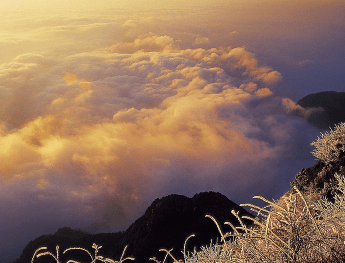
(333, 105)
(166, 223)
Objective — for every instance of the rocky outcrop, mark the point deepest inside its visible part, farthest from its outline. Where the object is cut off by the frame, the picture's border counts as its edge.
(333, 105)
(320, 178)
(170, 220)
(167, 223)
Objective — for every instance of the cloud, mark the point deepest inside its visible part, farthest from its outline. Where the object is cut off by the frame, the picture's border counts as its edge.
(70, 78)
(145, 112)
(306, 62)
(292, 107)
(99, 135)
(201, 40)
(263, 92)
(250, 87)
(236, 62)
(145, 44)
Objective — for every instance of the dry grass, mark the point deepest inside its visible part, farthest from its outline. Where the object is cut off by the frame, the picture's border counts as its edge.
(296, 228)
(94, 258)
(330, 145)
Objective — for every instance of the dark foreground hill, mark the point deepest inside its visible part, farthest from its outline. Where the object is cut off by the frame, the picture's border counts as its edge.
(333, 105)
(166, 223)
(320, 178)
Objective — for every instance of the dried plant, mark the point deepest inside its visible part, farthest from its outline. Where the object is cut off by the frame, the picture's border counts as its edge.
(297, 228)
(94, 258)
(330, 145)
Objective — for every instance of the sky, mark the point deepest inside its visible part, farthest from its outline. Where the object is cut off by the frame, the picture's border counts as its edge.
(108, 105)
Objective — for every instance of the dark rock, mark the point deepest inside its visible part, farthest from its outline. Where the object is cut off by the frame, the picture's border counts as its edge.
(333, 105)
(170, 220)
(166, 223)
(320, 178)
(67, 238)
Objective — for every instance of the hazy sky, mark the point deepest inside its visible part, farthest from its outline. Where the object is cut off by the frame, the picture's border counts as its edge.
(107, 105)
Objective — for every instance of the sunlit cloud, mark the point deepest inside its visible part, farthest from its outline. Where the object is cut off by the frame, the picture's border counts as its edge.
(201, 40)
(102, 112)
(145, 44)
(292, 107)
(70, 78)
(135, 116)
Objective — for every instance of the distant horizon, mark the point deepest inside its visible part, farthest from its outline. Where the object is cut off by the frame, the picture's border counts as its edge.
(108, 105)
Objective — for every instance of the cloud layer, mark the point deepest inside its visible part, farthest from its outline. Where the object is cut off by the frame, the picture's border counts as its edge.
(108, 131)
(101, 113)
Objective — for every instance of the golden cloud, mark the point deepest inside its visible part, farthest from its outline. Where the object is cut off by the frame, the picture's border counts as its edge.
(201, 40)
(70, 78)
(145, 44)
(94, 134)
(264, 92)
(142, 115)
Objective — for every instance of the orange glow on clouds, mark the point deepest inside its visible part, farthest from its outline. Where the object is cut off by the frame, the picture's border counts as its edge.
(70, 78)
(169, 106)
(107, 105)
(180, 116)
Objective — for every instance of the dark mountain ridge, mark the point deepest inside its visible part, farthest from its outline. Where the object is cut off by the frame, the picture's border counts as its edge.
(167, 223)
(332, 104)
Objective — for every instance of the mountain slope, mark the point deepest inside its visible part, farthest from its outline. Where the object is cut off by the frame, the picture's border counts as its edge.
(167, 223)
(330, 150)
(170, 220)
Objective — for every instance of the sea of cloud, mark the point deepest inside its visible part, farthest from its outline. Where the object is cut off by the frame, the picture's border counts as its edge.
(90, 137)
(99, 117)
